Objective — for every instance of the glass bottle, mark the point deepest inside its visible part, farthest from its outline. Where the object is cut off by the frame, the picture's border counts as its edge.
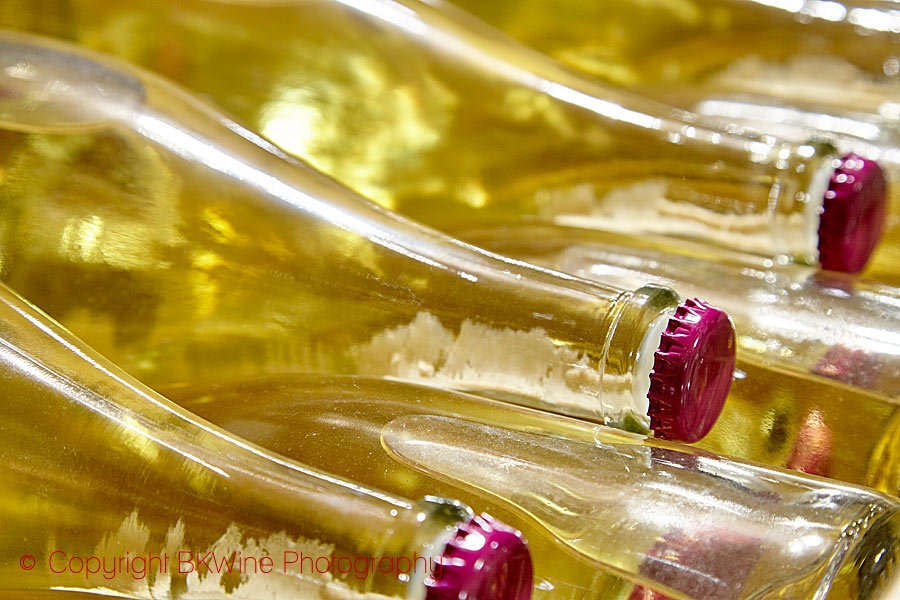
(184, 248)
(730, 58)
(678, 519)
(797, 70)
(425, 110)
(107, 487)
(818, 370)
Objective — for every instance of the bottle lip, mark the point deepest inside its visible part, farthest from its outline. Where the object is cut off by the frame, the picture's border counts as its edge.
(692, 372)
(485, 559)
(853, 214)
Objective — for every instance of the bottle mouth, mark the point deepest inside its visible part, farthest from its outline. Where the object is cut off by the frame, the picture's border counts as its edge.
(485, 559)
(692, 372)
(853, 214)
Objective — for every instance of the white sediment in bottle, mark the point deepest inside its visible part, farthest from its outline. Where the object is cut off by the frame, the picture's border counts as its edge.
(817, 373)
(98, 470)
(798, 71)
(668, 516)
(184, 248)
(430, 112)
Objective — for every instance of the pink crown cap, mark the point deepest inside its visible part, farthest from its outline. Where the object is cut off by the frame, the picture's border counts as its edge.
(484, 560)
(692, 372)
(853, 214)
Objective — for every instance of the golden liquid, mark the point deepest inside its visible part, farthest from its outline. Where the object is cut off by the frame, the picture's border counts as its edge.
(559, 480)
(665, 48)
(812, 423)
(687, 51)
(427, 113)
(185, 252)
(95, 465)
(817, 380)
(883, 266)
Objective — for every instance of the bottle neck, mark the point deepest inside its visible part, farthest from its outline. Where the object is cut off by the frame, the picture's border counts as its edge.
(630, 353)
(571, 136)
(775, 214)
(798, 201)
(201, 492)
(232, 189)
(439, 521)
(592, 333)
(785, 315)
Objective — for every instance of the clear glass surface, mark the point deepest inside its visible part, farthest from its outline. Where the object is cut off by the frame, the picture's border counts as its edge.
(185, 248)
(676, 518)
(97, 470)
(427, 111)
(818, 376)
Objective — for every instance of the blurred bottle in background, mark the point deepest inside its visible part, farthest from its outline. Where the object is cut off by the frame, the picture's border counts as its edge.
(431, 113)
(831, 58)
(795, 70)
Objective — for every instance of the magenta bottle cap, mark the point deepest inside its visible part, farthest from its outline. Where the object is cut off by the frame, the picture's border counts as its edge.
(853, 215)
(692, 372)
(485, 560)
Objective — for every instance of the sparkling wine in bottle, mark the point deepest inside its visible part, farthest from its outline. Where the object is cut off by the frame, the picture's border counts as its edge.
(797, 70)
(184, 248)
(107, 487)
(428, 111)
(818, 371)
(733, 58)
(674, 518)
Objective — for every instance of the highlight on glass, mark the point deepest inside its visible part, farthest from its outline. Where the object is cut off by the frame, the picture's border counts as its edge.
(186, 248)
(428, 111)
